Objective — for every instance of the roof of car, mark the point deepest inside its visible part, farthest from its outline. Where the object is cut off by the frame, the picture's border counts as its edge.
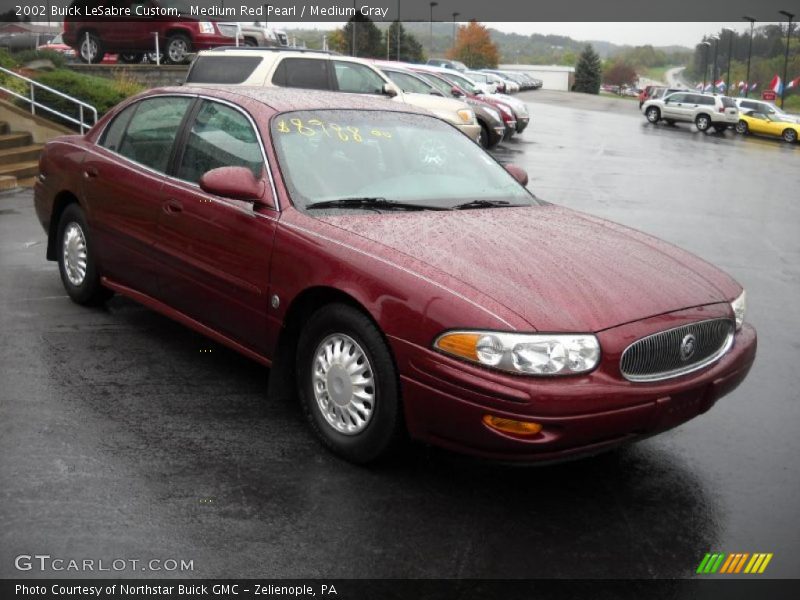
(289, 99)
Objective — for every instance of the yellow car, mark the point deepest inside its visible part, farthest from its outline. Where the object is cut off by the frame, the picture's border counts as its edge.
(756, 122)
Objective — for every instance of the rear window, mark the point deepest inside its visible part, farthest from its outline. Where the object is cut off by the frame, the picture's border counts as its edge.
(222, 69)
(728, 102)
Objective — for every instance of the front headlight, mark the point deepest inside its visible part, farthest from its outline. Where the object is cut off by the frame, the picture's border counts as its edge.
(530, 354)
(466, 115)
(739, 307)
(207, 27)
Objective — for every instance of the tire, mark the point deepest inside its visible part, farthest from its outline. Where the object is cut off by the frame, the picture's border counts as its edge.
(484, 139)
(789, 135)
(76, 263)
(653, 114)
(742, 128)
(131, 58)
(702, 122)
(250, 42)
(90, 50)
(177, 49)
(339, 328)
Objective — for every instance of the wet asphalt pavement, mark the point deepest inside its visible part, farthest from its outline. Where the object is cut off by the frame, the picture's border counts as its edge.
(125, 435)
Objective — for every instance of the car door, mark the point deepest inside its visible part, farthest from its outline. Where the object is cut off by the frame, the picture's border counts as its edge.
(217, 250)
(758, 123)
(674, 107)
(122, 181)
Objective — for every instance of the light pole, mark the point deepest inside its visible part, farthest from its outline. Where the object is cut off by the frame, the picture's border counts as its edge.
(430, 49)
(789, 16)
(714, 66)
(730, 51)
(749, 54)
(398, 30)
(455, 16)
(354, 28)
(705, 62)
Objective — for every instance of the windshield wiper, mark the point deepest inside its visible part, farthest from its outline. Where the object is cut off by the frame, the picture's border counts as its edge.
(372, 202)
(485, 204)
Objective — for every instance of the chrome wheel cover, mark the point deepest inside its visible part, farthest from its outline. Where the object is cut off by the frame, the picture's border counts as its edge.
(789, 135)
(702, 123)
(89, 49)
(344, 384)
(741, 127)
(74, 254)
(177, 50)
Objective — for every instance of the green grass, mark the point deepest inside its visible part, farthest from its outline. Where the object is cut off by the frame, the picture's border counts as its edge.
(791, 103)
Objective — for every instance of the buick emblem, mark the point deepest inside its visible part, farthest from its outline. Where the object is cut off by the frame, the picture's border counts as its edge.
(688, 345)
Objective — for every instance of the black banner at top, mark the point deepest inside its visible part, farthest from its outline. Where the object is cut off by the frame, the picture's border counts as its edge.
(43, 11)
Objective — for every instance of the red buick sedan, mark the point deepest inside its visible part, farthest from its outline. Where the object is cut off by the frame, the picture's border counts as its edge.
(394, 276)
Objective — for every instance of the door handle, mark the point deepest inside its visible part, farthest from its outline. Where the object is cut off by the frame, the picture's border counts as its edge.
(173, 207)
(90, 172)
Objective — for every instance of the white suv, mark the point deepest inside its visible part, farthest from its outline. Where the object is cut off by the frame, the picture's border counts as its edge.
(704, 110)
(296, 68)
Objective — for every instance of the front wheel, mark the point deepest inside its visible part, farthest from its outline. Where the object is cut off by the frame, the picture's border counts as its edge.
(90, 49)
(348, 384)
(789, 135)
(178, 49)
(483, 137)
(76, 263)
(742, 128)
(702, 122)
(653, 114)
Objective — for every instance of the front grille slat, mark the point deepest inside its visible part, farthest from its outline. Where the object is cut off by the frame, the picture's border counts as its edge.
(659, 356)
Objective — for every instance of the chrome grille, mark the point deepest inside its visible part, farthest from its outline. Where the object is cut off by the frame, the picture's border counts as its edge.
(660, 356)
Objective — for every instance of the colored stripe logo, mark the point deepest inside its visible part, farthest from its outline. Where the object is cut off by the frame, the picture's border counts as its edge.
(734, 563)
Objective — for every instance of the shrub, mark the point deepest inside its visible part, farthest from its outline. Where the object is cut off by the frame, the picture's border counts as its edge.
(26, 56)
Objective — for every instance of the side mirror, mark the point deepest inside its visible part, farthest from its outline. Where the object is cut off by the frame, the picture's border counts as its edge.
(518, 173)
(238, 183)
(456, 92)
(389, 90)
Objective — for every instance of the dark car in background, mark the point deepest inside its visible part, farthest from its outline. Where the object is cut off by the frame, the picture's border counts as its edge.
(133, 37)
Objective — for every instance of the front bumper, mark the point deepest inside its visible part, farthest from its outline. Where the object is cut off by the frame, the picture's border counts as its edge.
(472, 131)
(446, 399)
(522, 123)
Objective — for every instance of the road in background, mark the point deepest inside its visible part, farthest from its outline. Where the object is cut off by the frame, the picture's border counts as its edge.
(125, 435)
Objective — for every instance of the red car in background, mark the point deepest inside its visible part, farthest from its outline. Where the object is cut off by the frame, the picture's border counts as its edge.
(131, 38)
(394, 275)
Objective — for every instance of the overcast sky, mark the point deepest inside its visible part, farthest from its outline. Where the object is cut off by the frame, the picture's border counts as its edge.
(635, 34)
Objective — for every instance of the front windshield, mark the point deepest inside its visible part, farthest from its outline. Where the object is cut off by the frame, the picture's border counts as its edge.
(439, 84)
(463, 82)
(328, 155)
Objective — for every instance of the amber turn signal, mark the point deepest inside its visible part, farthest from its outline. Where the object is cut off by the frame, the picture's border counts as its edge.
(460, 344)
(512, 426)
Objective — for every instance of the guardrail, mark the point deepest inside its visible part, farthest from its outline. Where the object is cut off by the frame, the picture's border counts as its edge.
(83, 107)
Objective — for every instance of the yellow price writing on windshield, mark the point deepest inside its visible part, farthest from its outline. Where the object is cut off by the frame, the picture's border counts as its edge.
(313, 127)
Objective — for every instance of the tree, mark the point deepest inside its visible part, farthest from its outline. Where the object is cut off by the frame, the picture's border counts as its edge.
(474, 47)
(369, 40)
(410, 48)
(587, 72)
(619, 73)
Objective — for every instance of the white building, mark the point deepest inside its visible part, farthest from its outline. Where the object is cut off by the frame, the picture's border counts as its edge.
(554, 77)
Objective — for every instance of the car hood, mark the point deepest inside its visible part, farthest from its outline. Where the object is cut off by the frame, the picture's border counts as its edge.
(434, 103)
(558, 269)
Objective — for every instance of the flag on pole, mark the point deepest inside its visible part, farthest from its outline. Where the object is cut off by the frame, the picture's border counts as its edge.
(699, 87)
(720, 85)
(708, 87)
(754, 86)
(793, 83)
(741, 85)
(776, 85)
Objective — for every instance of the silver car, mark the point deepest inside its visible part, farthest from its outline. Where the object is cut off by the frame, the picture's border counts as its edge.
(704, 110)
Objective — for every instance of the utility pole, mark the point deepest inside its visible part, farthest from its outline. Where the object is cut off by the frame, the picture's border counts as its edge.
(749, 54)
(430, 46)
(789, 16)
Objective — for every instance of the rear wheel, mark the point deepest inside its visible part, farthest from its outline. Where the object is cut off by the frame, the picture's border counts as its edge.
(178, 49)
(789, 135)
(131, 58)
(742, 128)
(76, 262)
(348, 384)
(653, 114)
(702, 122)
(90, 49)
(483, 138)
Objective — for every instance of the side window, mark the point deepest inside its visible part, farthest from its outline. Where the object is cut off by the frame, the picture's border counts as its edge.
(220, 136)
(112, 136)
(152, 130)
(222, 69)
(707, 100)
(677, 98)
(356, 78)
(746, 104)
(309, 73)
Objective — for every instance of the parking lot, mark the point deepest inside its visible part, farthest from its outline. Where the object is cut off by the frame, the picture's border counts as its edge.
(125, 435)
